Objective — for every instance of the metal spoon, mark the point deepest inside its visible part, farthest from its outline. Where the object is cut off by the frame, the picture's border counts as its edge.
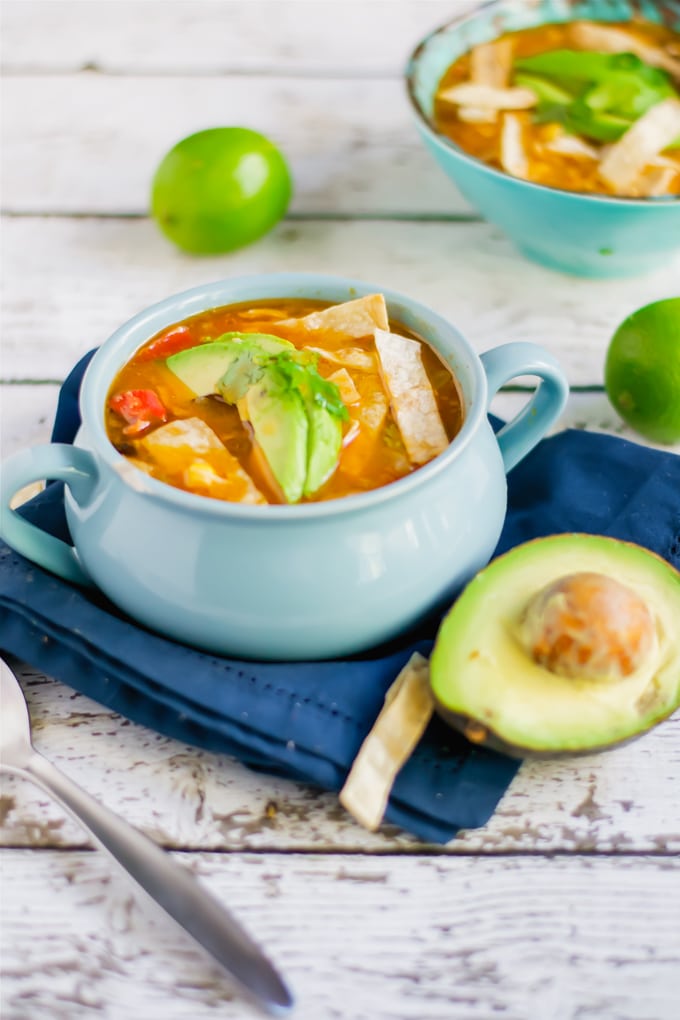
(168, 883)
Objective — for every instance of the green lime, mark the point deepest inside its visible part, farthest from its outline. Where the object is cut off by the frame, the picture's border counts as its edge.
(642, 371)
(220, 189)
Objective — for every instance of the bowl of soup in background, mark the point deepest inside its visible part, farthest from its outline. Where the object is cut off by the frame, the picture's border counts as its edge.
(583, 234)
(306, 581)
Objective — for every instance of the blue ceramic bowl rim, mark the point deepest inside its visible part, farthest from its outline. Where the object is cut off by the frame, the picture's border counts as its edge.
(450, 145)
(106, 362)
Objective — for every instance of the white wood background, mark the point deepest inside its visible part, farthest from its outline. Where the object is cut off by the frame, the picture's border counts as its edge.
(567, 904)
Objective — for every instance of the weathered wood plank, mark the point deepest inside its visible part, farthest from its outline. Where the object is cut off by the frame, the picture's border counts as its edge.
(69, 282)
(72, 144)
(390, 938)
(364, 37)
(626, 800)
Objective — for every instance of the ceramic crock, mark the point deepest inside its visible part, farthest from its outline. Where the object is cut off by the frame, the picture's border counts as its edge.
(308, 581)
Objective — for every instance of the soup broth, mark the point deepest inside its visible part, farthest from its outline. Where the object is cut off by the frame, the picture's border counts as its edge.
(556, 123)
(230, 443)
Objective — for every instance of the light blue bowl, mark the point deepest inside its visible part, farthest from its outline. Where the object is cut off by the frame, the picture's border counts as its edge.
(586, 235)
(284, 582)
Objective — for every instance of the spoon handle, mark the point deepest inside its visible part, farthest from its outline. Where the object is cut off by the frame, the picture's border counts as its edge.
(170, 885)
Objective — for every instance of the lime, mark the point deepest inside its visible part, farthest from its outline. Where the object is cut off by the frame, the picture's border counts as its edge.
(220, 189)
(642, 371)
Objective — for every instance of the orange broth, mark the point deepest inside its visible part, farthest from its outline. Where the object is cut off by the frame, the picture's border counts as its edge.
(552, 169)
(366, 462)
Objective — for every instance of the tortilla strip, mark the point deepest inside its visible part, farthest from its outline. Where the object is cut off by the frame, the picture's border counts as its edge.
(189, 450)
(408, 708)
(489, 98)
(514, 156)
(490, 64)
(656, 181)
(349, 357)
(586, 35)
(348, 391)
(412, 398)
(570, 145)
(352, 318)
(648, 137)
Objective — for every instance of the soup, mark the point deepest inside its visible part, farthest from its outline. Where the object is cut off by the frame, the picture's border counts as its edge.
(581, 106)
(284, 401)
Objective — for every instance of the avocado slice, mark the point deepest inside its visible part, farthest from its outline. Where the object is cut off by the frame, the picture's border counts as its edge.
(323, 446)
(519, 665)
(280, 428)
(200, 368)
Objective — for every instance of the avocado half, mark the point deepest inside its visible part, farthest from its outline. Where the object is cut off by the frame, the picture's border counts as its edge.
(520, 666)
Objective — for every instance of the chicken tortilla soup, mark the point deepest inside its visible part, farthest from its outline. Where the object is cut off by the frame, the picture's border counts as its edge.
(284, 401)
(583, 106)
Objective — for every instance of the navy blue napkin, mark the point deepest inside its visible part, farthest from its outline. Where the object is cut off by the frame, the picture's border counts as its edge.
(307, 720)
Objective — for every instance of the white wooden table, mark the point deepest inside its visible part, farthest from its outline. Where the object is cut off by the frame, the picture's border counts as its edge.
(567, 904)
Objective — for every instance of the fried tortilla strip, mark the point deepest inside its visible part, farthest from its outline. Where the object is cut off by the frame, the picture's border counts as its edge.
(408, 708)
(348, 391)
(489, 98)
(514, 156)
(490, 64)
(352, 318)
(570, 145)
(657, 181)
(412, 398)
(189, 452)
(349, 357)
(648, 137)
(587, 35)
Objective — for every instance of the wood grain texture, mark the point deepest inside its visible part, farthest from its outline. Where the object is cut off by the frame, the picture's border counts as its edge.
(390, 938)
(625, 800)
(370, 38)
(70, 282)
(68, 142)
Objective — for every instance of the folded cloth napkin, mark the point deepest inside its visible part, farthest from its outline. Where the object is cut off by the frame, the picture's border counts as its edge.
(307, 721)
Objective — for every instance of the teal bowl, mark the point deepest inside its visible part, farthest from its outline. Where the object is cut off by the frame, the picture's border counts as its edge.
(585, 235)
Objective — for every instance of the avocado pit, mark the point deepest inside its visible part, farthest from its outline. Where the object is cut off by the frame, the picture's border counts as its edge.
(588, 625)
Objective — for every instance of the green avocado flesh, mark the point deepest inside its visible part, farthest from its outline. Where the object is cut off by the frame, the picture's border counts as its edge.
(487, 684)
(281, 429)
(296, 416)
(200, 368)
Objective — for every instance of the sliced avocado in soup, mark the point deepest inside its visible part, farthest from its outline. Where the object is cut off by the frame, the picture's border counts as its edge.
(200, 368)
(566, 644)
(323, 449)
(280, 428)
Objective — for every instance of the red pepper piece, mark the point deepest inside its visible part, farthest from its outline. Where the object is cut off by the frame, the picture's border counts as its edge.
(140, 408)
(171, 343)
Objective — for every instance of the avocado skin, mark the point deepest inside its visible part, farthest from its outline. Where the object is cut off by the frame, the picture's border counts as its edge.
(493, 742)
(476, 698)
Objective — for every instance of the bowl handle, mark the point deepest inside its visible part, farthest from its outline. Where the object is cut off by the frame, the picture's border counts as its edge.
(504, 363)
(70, 464)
